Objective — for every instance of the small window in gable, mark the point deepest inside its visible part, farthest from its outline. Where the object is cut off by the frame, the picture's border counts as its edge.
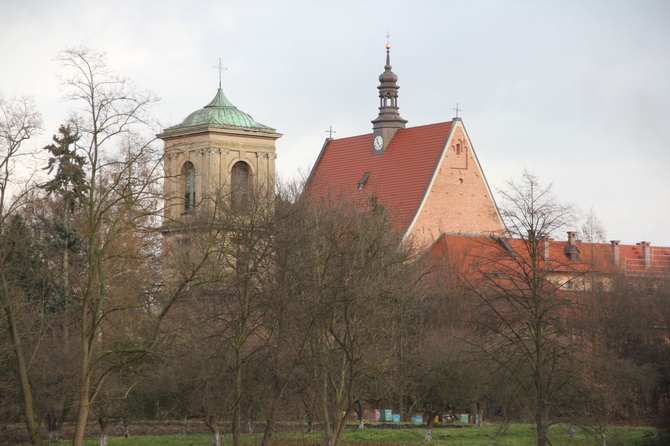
(459, 159)
(240, 185)
(188, 172)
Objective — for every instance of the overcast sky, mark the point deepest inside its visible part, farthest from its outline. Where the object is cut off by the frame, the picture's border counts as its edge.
(576, 91)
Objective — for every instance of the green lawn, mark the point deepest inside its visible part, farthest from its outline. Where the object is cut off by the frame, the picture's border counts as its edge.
(491, 434)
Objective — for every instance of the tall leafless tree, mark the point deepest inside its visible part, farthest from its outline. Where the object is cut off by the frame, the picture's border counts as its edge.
(522, 316)
(116, 214)
(356, 278)
(233, 243)
(18, 122)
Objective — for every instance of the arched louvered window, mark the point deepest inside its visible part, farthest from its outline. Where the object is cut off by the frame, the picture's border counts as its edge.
(240, 185)
(189, 186)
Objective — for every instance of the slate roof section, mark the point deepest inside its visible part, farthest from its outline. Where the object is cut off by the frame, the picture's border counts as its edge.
(399, 177)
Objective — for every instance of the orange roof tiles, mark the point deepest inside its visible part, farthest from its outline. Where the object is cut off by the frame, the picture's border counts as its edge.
(596, 257)
(399, 177)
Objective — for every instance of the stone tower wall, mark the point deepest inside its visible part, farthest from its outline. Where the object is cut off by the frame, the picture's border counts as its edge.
(213, 154)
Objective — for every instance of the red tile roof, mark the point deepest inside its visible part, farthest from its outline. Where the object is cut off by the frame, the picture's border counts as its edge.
(399, 177)
(632, 259)
(595, 257)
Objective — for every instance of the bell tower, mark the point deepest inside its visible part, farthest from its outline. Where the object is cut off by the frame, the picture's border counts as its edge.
(389, 121)
(217, 151)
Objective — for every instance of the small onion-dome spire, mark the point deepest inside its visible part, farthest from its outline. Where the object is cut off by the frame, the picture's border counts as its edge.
(388, 76)
(388, 120)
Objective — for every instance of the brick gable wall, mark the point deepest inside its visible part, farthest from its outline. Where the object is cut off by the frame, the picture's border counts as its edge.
(459, 199)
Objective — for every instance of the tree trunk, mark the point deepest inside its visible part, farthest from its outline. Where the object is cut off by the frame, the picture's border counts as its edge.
(269, 426)
(237, 405)
(337, 439)
(359, 415)
(327, 428)
(53, 436)
(237, 425)
(66, 290)
(32, 424)
(53, 426)
(542, 423)
(104, 423)
(54, 420)
(430, 422)
(479, 415)
(216, 432)
(216, 439)
(82, 414)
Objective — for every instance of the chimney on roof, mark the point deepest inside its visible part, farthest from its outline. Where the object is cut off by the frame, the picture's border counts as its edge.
(646, 253)
(615, 251)
(572, 251)
(572, 238)
(545, 248)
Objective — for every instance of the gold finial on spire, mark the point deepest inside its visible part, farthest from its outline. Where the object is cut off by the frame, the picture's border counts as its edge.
(388, 43)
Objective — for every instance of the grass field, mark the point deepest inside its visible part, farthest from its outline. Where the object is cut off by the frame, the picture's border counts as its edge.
(490, 434)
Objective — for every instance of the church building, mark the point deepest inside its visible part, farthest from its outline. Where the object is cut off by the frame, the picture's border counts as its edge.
(217, 152)
(427, 177)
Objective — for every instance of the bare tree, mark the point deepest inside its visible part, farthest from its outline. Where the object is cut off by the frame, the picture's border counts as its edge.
(233, 243)
(593, 230)
(116, 214)
(288, 324)
(449, 375)
(356, 276)
(18, 122)
(627, 366)
(522, 315)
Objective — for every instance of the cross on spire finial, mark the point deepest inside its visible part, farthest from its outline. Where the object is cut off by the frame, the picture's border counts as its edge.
(457, 109)
(330, 132)
(221, 69)
(388, 40)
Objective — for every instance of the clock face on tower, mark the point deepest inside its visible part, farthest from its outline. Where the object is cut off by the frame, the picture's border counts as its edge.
(379, 142)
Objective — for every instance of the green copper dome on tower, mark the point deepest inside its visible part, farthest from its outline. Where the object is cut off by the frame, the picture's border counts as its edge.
(220, 112)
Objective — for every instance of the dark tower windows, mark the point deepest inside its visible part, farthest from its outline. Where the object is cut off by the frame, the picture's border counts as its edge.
(188, 171)
(240, 186)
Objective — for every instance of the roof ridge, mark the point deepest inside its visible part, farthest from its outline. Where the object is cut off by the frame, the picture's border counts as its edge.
(405, 130)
